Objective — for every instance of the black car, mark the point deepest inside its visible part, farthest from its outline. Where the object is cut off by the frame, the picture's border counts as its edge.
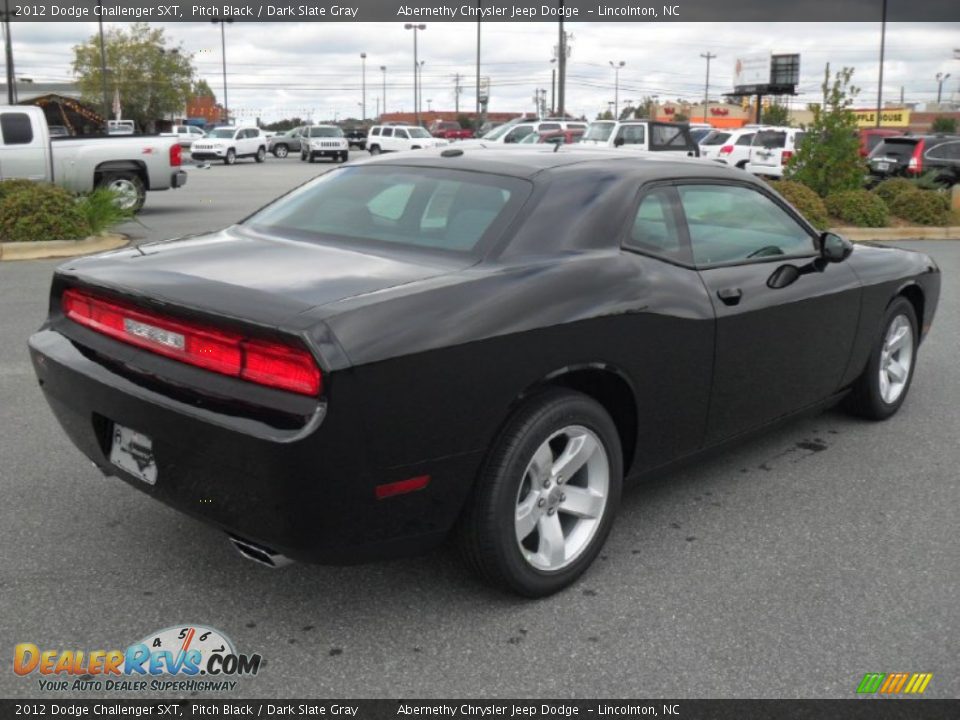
(357, 138)
(915, 155)
(482, 343)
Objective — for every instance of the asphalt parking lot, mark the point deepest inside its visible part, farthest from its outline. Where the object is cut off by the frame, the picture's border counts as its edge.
(786, 567)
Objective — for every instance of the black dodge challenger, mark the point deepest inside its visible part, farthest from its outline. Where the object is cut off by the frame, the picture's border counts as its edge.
(473, 342)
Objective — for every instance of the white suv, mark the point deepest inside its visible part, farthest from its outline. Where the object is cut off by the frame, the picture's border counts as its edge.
(730, 147)
(641, 136)
(771, 149)
(393, 138)
(323, 141)
(229, 143)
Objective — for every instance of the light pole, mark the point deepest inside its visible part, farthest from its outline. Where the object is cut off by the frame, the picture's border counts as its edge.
(363, 83)
(223, 52)
(416, 66)
(941, 79)
(420, 89)
(476, 119)
(383, 69)
(616, 87)
(706, 88)
(429, 105)
(553, 86)
(8, 50)
(883, 46)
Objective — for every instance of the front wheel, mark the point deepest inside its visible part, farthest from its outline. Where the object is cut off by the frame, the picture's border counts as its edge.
(261, 154)
(231, 157)
(128, 189)
(546, 497)
(880, 391)
(280, 151)
(374, 149)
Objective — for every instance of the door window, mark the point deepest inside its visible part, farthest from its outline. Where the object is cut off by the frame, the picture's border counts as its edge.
(15, 128)
(732, 223)
(518, 134)
(745, 139)
(402, 134)
(387, 132)
(631, 135)
(655, 229)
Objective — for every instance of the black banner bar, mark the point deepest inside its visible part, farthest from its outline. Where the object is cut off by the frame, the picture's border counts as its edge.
(487, 10)
(854, 709)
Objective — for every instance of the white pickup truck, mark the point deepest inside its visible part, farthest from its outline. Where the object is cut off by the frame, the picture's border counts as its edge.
(128, 165)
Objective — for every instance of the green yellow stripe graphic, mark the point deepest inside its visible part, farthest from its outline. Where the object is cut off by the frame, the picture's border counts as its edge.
(894, 683)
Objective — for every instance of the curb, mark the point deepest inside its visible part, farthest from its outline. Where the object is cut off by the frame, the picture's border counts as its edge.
(904, 233)
(61, 248)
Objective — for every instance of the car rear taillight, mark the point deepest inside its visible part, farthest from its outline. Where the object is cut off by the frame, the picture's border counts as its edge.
(176, 155)
(264, 362)
(726, 150)
(915, 166)
(785, 156)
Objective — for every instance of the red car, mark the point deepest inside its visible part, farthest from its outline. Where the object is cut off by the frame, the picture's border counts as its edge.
(562, 137)
(449, 130)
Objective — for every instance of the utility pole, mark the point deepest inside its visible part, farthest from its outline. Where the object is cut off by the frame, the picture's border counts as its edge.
(561, 66)
(383, 69)
(223, 51)
(456, 93)
(476, 117)
(941, 79)
(11, 76)
(416, 66)
(706, 88)
(616, 87)
(363, 83)
(883, 45)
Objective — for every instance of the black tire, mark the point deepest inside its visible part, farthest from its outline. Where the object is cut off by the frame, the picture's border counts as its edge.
(303, 156)
(866, 398)
(311, 157)
(487, 532)
(342, 157)
(131, 192)
(281, 151)
(374, 149)
(230, 158)
(261, 154)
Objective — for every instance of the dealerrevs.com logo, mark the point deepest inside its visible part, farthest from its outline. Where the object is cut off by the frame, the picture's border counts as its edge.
(179, 658)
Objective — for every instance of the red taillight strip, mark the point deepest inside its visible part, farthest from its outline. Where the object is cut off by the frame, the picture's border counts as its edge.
(259, 361)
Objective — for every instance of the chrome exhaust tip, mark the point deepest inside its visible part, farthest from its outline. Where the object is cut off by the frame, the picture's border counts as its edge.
(259, 553)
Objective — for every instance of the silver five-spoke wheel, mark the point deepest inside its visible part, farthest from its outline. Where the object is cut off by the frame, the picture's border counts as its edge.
(896, 358)
(561, 498)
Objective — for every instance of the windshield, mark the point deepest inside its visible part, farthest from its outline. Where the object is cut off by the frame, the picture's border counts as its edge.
(498, 132)
(422, 207)
(599, 131)
(222, 133)
(326, 132)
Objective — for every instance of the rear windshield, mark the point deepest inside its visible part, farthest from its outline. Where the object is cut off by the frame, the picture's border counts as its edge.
(599, 131)
(445, 210)
(326, 132)
(895, 148)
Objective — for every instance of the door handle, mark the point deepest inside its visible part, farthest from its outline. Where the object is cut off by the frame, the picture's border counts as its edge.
(730, 296)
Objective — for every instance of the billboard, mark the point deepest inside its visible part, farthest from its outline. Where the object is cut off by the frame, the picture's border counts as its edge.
(751, 71)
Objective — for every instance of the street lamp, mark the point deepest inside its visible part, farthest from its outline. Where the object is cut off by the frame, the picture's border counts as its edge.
(616, 87)
(941, 79)
(363, 83)
(420, 89)
(223, 51)
(429, 105)
(416, 65)
(383, 69)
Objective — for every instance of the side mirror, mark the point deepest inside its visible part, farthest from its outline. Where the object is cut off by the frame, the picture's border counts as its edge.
(834, 248)
(618, 142)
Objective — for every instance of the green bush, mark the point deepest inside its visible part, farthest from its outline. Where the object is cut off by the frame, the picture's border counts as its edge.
(923, 207)
(40, 211)
(805, 200)
(858, 207)
(10, 186)
(889, 190)
(100, 210)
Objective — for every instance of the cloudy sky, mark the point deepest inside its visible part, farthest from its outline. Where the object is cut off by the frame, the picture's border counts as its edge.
(278, 70)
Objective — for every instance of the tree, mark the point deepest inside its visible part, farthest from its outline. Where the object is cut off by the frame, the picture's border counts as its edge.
(944, 124)
(285, 124)
(681, 117)
(776, 114)
(201, 88)
(828, 159)
(605, 115)
(153, 80)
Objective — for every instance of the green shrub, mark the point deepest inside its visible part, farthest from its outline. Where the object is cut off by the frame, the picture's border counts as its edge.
(100, 210)
(858, 207)
(805, 200)
(39, 211)
(9, 186)
(923, 207)
(890, 189)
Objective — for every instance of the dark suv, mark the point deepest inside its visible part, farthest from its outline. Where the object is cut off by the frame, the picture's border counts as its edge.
(915, 155)
(357, 138)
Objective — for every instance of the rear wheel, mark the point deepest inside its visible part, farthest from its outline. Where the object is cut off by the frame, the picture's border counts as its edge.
(230, 158)
(546, 497)
(281, 151)
(261, 154)
(127, 187)
(880, 391)
(374, 149)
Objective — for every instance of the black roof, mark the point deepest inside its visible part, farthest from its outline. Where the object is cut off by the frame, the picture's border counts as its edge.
(528, 163)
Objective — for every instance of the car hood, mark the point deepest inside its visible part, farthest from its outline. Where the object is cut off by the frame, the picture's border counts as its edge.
(249, 277)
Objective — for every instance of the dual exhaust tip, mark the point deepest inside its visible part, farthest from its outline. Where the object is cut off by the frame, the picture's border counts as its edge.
(259, 554)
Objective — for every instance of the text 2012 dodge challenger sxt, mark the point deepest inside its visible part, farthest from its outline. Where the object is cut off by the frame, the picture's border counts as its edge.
(473, 340)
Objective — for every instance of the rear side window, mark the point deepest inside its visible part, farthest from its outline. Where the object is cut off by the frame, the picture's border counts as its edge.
(631, 135)
(375, 131)
(716, 138)
(668, 137)
(948, 150)
(15, 128)
(427, 208)
(901, 148)
(547, 127)
(746, 139)
(387, 132)
(654, 228)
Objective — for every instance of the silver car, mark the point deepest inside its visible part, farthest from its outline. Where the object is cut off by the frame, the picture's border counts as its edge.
(283, 144)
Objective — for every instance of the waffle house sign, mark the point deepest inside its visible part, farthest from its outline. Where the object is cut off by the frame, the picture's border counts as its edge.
(890, 117)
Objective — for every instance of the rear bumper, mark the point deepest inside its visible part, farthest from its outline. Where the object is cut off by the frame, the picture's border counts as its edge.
(307, 492)
(178, 179)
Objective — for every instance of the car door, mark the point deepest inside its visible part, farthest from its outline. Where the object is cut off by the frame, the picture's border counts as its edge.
(632, 137)
(783, 336)
(22, 154)
(401, 140)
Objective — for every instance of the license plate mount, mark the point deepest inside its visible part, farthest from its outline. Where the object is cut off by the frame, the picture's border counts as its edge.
(132, 451)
